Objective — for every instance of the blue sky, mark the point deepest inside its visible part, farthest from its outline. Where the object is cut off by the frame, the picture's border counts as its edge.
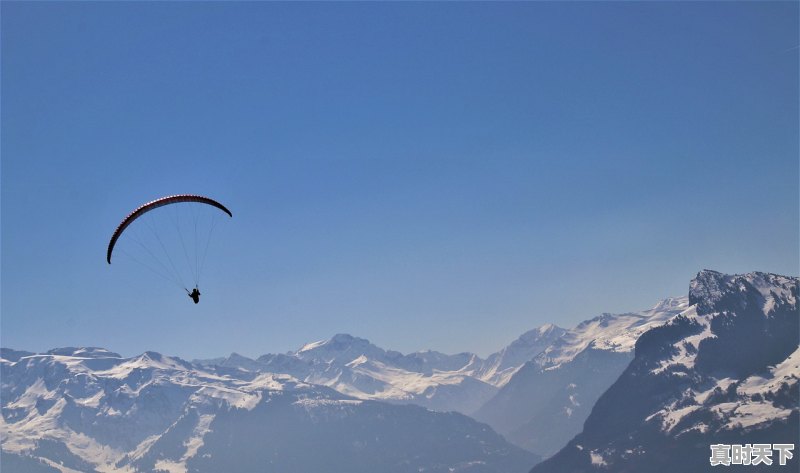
(425, 175)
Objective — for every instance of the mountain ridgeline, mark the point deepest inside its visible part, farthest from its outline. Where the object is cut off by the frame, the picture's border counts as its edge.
(90, 410)
(618, 392)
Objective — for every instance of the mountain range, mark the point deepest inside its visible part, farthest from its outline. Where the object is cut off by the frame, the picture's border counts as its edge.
(612, 385)
(90, 410)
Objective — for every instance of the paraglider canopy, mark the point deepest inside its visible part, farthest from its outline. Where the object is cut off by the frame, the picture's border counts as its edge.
(152, 205)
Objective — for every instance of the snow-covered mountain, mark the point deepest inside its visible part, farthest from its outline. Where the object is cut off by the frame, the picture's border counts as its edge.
(501, 366)
(724, 371)
(354, 366)
(545, 402)
(87, 410)
(358, 368)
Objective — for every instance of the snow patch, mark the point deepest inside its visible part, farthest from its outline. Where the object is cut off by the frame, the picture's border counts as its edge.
(597, 459)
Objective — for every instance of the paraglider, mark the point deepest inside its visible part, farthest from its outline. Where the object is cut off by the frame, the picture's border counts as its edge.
(195, 295)
(156, 241)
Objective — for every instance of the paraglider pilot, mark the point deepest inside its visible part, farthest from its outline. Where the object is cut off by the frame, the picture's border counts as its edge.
(195, 295)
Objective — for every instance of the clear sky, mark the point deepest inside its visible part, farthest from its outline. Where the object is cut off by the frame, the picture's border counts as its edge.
(424, 175)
